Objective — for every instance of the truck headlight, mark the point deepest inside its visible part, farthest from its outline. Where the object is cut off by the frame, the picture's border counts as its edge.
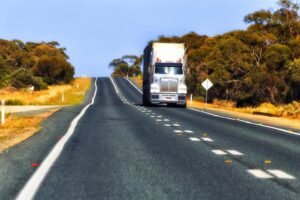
(154, 88)
(182, 89)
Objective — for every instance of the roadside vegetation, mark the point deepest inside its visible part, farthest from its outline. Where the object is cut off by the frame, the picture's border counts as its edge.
(250, 67)
(256, 70)
(20, 128)
(291, 110)
(33, 64)
(127, 65)
(64, 94)
(35, 74)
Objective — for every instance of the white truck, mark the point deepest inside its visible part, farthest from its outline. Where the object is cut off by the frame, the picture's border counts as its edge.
(164, 74)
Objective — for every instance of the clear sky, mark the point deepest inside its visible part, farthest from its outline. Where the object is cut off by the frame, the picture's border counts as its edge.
(96, 31)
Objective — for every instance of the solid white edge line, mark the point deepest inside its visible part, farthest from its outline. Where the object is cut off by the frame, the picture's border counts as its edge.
(229, 118)
(113, 82)
(248, 122)
(32, 185)
(138, 89)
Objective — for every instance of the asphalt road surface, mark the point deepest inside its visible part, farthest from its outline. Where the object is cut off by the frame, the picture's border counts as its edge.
(122, 150)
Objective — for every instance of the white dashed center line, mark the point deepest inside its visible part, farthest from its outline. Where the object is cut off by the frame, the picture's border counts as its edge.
(280, 174)
(219, 152)
(158, 120)
(188, 131)
(235, 153)
(194, 139)
(178, 131)
(176, 125)
(206, 139)
(259, 173)
(166, 120)
(167, 124)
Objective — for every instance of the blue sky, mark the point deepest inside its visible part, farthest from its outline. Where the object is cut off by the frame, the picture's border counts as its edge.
(96, 31)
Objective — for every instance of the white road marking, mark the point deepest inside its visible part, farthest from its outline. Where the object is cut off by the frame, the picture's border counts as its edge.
(113, 82)
(206, 139)
(32, 185)
(194, 139)
(280, 174)
(152, 116)
(166, 120)
(159, 116)
(235, 153)
(158, 120)
(167, 124)
(248, 122)
(134, 86)
(229, 118)
(178, 131)
(259, 173)
(219, 152)
(188, 131)
(176, 125)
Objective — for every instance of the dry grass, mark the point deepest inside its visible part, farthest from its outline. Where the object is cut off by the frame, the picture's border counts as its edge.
(291, 111)
(138, 81)
(51, 96)
(18, 129)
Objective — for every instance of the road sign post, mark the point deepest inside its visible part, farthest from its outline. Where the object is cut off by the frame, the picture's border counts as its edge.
(207, 84)
(2, 112)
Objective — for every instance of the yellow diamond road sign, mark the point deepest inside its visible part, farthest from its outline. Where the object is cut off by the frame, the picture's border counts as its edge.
(207, 84)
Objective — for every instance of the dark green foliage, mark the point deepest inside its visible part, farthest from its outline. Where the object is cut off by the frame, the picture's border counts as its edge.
(54, 70)
(260, 64)
(127, 65)
(4, 73)
(14, 102)
(38, 64)
(23, 78)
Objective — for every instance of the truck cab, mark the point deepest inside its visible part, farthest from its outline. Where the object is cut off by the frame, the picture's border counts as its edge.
(164, 74)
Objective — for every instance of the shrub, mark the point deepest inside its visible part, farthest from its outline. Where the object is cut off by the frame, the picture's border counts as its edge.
(14, 102)
(22, 78)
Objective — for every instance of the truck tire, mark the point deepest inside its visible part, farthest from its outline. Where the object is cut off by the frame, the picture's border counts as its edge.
(182, 106)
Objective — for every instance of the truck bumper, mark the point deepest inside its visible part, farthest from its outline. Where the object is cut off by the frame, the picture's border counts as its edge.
(157, 98)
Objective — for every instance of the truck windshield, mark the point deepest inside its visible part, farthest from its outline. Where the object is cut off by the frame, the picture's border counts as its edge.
(165, 69)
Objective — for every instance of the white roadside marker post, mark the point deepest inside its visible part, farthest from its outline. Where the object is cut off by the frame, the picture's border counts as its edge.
(191, 99)
(2, 112)
(62, 96)
(77, 85)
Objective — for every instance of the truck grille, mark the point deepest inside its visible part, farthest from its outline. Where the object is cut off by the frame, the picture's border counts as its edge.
(168, 85)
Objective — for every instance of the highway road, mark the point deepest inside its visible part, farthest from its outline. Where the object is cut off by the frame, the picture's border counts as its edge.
(118, 149)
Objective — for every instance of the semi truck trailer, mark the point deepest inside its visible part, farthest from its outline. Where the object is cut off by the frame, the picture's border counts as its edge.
(164, 74)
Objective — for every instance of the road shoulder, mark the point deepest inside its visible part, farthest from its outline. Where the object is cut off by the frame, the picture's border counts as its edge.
(20, 161)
